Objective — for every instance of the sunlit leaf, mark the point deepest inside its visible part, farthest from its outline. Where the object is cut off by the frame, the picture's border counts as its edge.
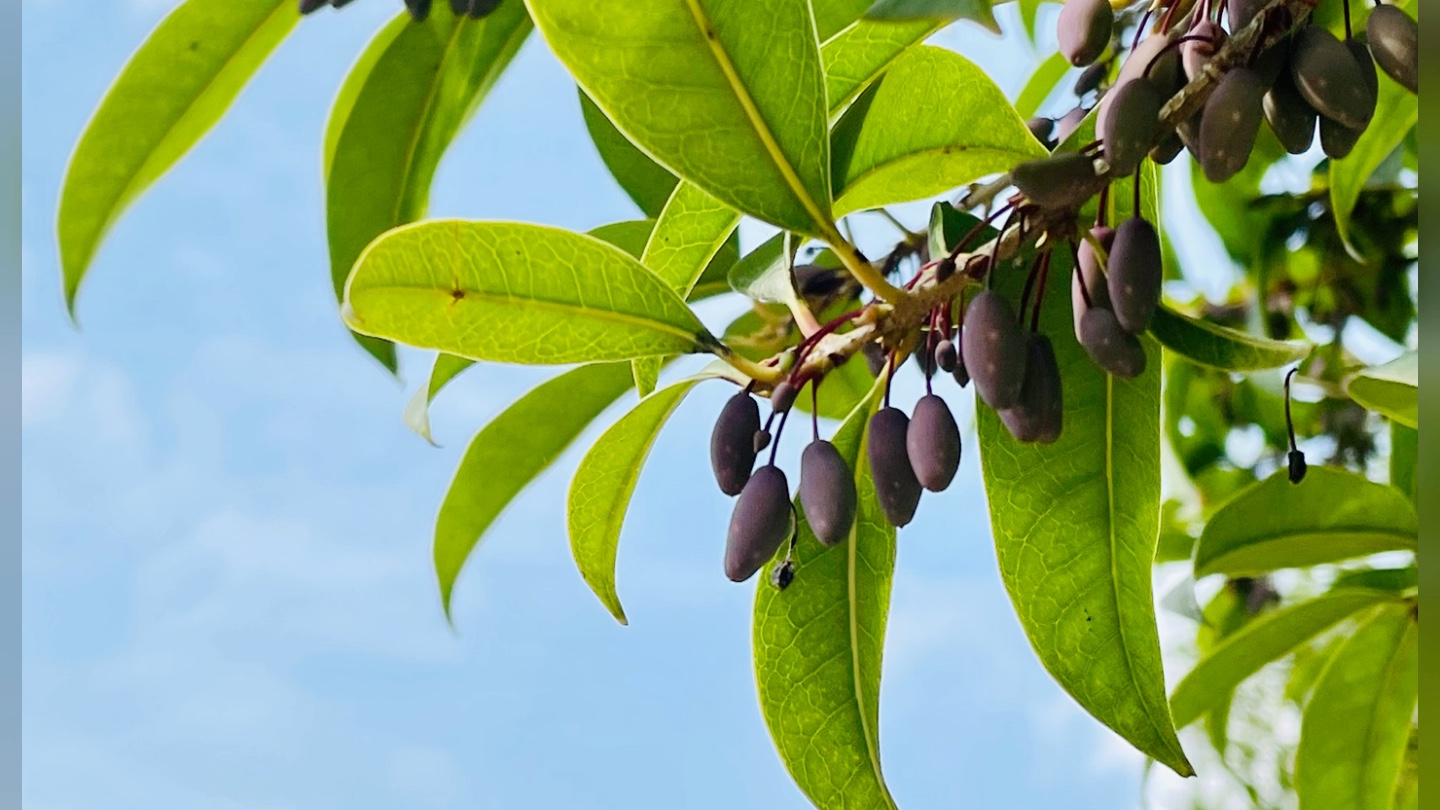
(977, 11)
(1041, 84)
(764, 274)
(417, 412)
(1392, 389)
(648, 183)
(1220, 347)
(858, 54)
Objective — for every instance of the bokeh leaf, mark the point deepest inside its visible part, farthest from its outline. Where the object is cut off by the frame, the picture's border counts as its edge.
(1392, 389)
(1041, 84)
(516, 293)
(818, 647)
(648, 183)
(1404, 459)
(507, 454)
(171, 92)
(1220, 347)
(883, 151)
(1332, 515)
(747, 77)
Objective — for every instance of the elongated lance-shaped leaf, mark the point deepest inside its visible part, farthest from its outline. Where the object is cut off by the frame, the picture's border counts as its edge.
(1220, 347)
(170, 93)
(856, 55)
(819, 642)
(421, 89)
(648, 183)
(417, 412)
(507, 454)
(1404, 459)
(977, 11)
(600, 492)
(1267, 638)
(1357, 724)
(1076, 524)
(730, 96)
(1041, 84)
(883, 152)
(765, 274)
(1392, 389)
(516, 293)
(1330, 516)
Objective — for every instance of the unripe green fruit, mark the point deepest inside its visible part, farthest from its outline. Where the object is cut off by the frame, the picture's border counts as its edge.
(1092, 275)
(1394, 39)
(1330, 78)
(1111, 347)
(1168, 149)
(1230, 124)
(1136, 272)
(1130, 126)
(762, 521)
(946, 355)
(1058, 182)
(1039, 416)
(732, 443)
(895, 484)
(994, 349)
(782, 398)
(933, 443)
(1084, 30)
(1090, 78)
(1290, 116)
(1195, 53)
(1041, 127)
(827, 492)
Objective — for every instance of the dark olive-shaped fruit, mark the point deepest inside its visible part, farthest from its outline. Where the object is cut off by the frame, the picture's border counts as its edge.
(1092, 275)
(946, 355)
(1068, 123)
(1164, 72)
(961, 374)
(1243, 12)
(1188, 131)
(1394, 39)
(1111, 347)
(895, 484)
(1091, 77)
(1371, 77)
(732, 443)
(762, 440)
(875, 358)
(1338, 140)
(1297, 466)
(1194, 53)
(1131, 124)
(1290, 116)
(1230, 124)
(1039, 416)
(1168, 149)
(994, 349)
(933, 443)
(827, 492)
(1330, 78)
(1135, 274)
(782, 398)
(1041, 127)
(307, 6)
(761, 523)
(1084, 30)
(419, 9)
(1058, 182)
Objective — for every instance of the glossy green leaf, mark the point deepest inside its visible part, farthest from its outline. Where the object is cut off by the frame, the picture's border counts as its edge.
(948, 226)
(1392, 390)
(818, 647)
(1075, 526)
(1356, 727)
(417, 412)
(860, 53)
(977, 11)
(834, 16)
(1029, 11)
(507, 454)
(730, 96)
(1041, 84)
(1395, 115)
(1220, 347)
(1332, 515)
(600, 493)
(170, 93)
(515, 293)
(648, 183)
(692, 231)
(935, 121)
(1268, 638)
(410, 105)
(1404, 459)
(764, 274)
(1395, 580)
(355, 82)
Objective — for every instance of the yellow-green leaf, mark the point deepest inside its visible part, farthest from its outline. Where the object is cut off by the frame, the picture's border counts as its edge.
(1220, 347)
(1392, 389)
(648, 183)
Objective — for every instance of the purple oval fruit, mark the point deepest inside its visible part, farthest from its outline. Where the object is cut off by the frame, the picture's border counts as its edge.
(1290, 116)
(732, 443)
(1041, 128)
(1338, 140)
(782, 398)
(1135, 275)
(1090, 78)
(1230, 124)
(1168, 149)
(994, 350)
(1131, 125)
(1066, 126)
(1329, 77)
(760, 524)
(946, 355)
(961, 375)
(1164, 71)
(1058, 182)
(1194, 53)
(1084, 30)
(933, 443)
(1394, 40)
(1092, 275)
(896, 487)
(1039, 416)
(827, 492)
(1111, 347)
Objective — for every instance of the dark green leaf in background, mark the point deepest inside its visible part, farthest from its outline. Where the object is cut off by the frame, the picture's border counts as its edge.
(648, 183)
(1392, 390)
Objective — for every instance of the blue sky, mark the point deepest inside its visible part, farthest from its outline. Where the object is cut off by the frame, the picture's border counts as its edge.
(228, 595)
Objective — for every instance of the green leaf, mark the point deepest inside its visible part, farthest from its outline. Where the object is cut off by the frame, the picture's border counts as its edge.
(1041, 84)
(1267, 638)
(947, 227)
(691, 233)
(764, 274)
(834, 16)
(409, 106)
(818, 647)
(1332, 515)
(860, 53)
(747, 77)
(1029, 11)
(1075, 526)
(1357, 724)
(600, 493)
(515, 293)
(883, 152)
(1392, 390)
(1378, 579)
(1404, 459)
(170, 93)
(977, 11)
(355, 81)
(1220, 347)
(648, 183)
(507, 454)
(1395, 115)
(417, 413)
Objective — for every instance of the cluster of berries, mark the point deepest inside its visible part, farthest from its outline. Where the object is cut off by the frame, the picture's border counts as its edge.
(419, 9)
